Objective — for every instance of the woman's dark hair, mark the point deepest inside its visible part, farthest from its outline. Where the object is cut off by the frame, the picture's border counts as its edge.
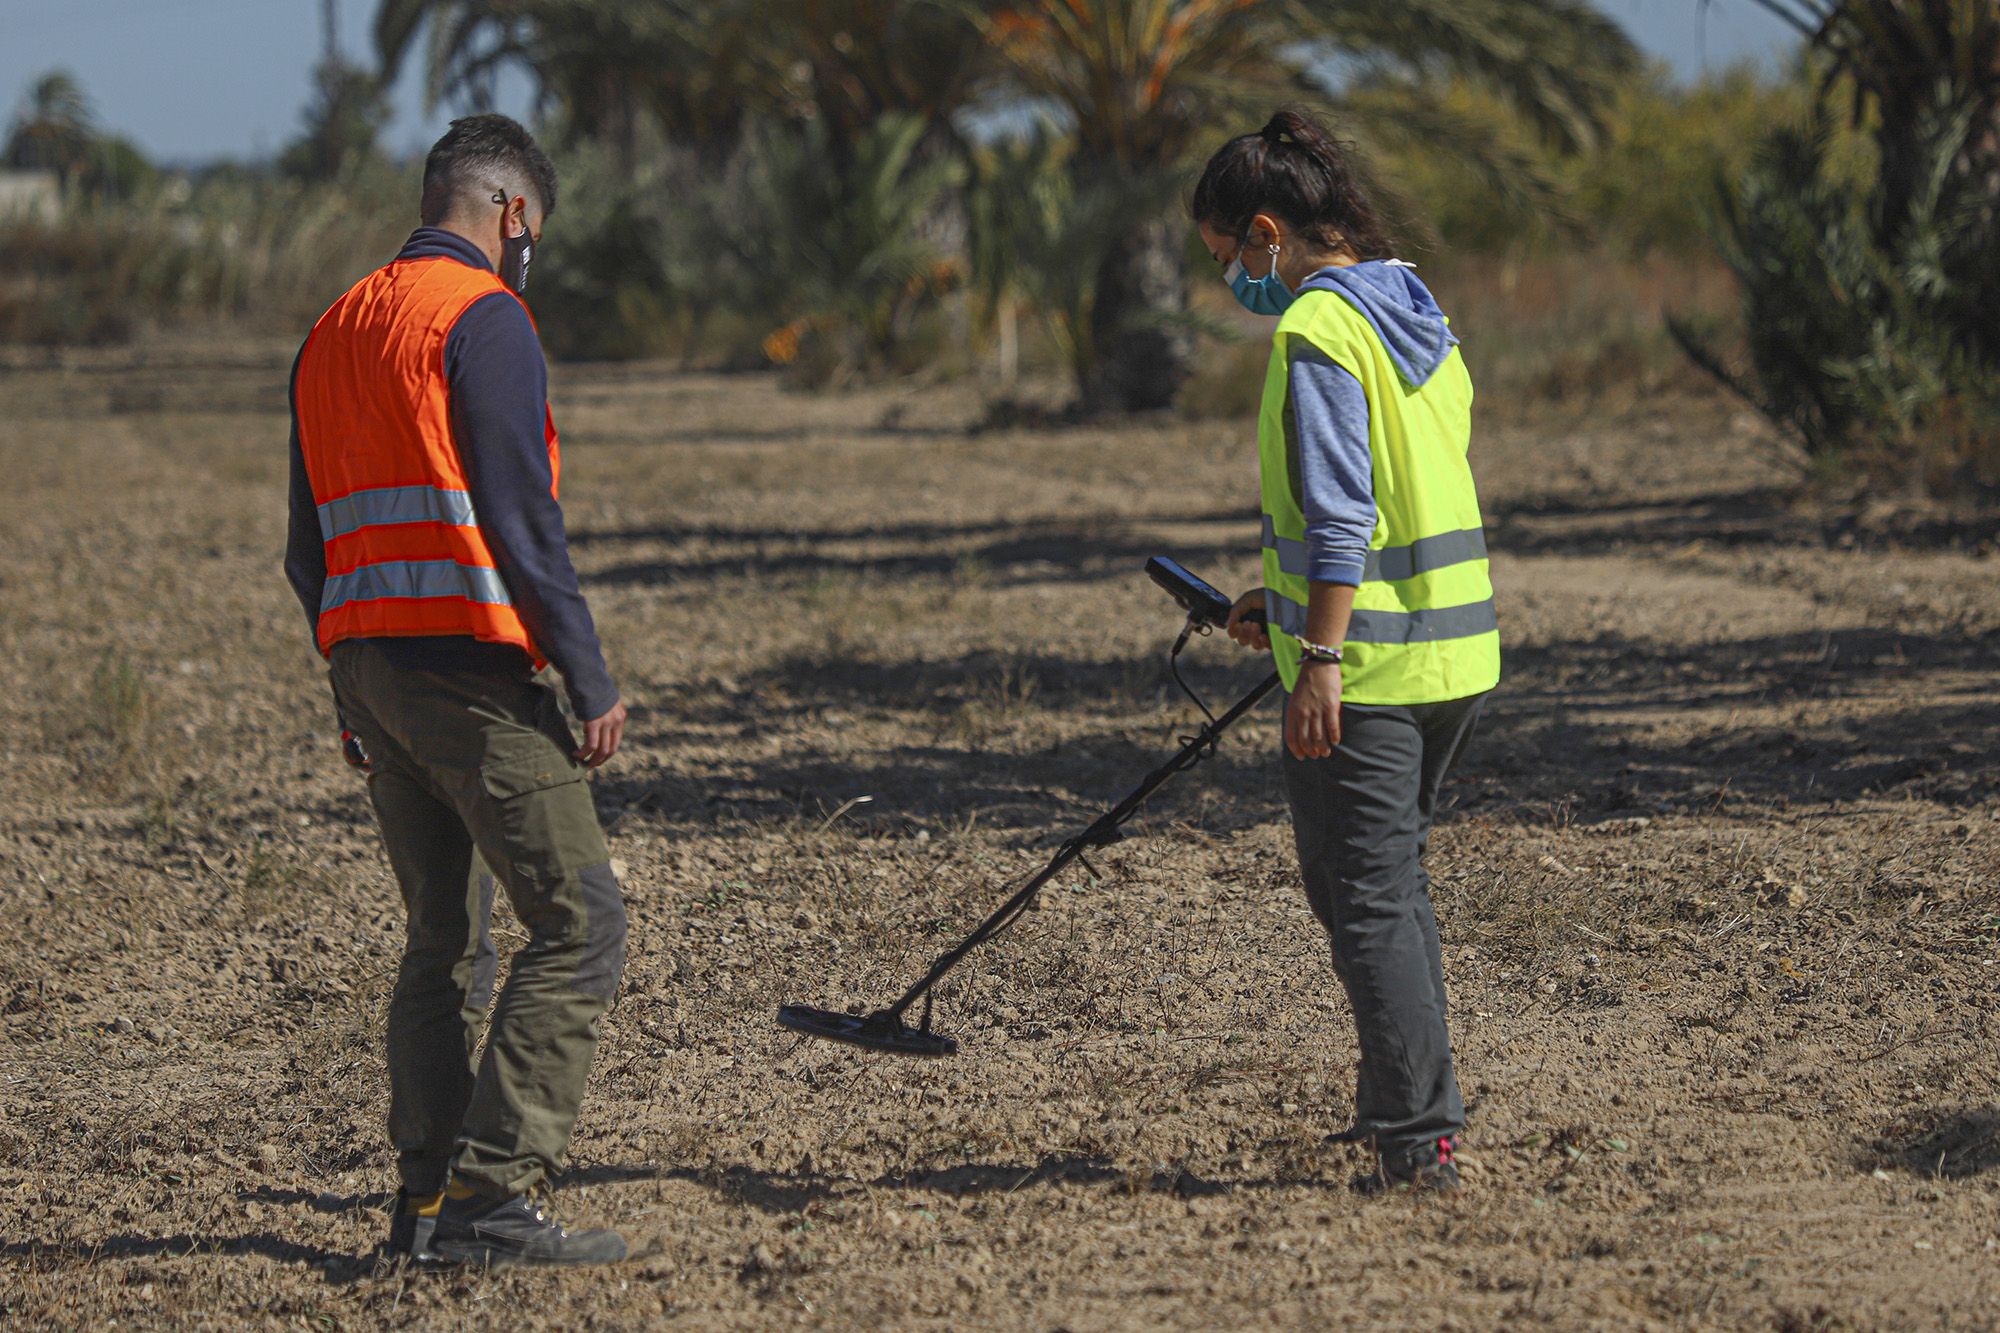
(1294, 169)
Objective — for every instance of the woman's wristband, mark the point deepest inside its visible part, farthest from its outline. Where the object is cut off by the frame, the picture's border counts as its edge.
(1317, 652)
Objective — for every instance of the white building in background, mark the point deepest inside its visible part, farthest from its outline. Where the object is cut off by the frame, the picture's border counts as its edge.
(30, 195)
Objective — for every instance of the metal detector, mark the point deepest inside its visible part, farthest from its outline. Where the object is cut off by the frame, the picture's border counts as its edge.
(884, 1029)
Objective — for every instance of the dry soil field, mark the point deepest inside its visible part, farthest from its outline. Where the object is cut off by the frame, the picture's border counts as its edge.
(1718, 888)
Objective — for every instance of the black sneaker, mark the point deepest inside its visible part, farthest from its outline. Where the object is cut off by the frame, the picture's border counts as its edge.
(491, 1232)
(411, 1226)
(1431, 1165)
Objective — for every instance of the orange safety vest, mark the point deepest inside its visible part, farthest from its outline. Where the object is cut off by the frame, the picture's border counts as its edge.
(404, 554)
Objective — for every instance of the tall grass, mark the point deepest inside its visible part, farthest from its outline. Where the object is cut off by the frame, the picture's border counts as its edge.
(255, 248)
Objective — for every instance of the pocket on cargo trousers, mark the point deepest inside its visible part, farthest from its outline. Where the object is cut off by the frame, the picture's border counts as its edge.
(540, 807)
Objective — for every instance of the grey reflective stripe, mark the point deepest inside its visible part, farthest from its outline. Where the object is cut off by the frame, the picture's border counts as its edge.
(1424, 555)
(1285, 613)
(415, 578)
(395, 504)
(1392, 627)
(1443, 622)
(1291, 551)
(1390, 563)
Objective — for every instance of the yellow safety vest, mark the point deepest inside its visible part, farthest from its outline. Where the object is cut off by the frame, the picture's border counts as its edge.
(1423, 629)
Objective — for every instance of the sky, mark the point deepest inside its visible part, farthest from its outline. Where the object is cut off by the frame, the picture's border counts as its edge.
(194, 80)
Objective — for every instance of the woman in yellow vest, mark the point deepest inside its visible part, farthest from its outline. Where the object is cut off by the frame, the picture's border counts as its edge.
(1375, 591)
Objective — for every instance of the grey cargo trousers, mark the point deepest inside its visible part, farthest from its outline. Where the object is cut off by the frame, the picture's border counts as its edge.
(1362, 818)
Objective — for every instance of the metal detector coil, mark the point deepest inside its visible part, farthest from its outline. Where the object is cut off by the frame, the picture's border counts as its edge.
(884, 1030)
(871, 1032)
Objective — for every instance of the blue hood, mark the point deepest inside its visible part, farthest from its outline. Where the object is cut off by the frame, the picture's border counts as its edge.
(1404, 313)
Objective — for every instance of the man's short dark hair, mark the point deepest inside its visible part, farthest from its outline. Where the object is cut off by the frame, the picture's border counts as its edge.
(480, 154)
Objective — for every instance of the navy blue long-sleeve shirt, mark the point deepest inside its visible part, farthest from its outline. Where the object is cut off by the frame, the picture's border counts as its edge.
(498, 386)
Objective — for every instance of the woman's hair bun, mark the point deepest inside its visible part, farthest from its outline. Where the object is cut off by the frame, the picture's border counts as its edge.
(1294, 128)
(1294, 168)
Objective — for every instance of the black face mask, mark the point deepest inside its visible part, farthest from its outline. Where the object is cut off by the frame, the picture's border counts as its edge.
(516, 252)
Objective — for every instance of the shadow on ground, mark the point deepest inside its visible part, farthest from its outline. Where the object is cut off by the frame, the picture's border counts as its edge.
(1608, 726)
(783, 1192)
(339, 1266)
(1756, 517)
(1004, 553)
(1949, 1145)
(1553, 729)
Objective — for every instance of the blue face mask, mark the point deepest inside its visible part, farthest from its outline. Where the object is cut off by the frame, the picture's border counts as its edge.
(1267, 295)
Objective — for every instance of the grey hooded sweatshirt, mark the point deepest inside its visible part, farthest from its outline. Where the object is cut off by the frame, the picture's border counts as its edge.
(1336, 466)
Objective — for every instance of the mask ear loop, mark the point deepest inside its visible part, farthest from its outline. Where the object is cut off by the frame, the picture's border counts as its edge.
(500, 198)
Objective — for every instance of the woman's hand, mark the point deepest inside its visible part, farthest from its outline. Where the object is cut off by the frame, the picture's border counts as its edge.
(1312, 719)
(1248, 632)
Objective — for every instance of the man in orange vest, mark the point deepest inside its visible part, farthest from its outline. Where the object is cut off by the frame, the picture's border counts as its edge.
(429, 553)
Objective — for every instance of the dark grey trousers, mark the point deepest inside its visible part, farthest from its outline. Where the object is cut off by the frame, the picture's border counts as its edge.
(1362, 817)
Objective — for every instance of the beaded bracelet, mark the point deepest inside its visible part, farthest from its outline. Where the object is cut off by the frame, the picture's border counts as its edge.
(1318, 652)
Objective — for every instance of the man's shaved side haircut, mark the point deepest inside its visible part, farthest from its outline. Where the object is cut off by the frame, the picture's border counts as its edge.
(481, 154)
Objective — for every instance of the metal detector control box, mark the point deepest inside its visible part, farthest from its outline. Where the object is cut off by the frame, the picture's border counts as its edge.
(1201, 600)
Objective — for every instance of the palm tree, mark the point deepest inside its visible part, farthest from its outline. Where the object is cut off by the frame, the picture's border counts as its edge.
(55, 130)
(699, 66)
(846, 258)
(1143, 85)
(1869, 280)
(1035, 234)
(346, 114)
(602, 65)
(1911, 62)
(1149, 84)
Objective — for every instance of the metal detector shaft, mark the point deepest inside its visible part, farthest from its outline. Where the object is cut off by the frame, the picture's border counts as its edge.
(1102, 833)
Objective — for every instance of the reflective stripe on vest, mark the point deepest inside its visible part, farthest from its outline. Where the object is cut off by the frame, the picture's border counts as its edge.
(387, 505)
(1389, 563)
(1394, 627)
(415, 578)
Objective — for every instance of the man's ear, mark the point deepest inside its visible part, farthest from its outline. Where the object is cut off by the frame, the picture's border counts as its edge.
(517, 216)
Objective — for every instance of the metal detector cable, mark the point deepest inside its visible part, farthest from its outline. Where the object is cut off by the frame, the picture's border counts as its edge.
(1174, 666)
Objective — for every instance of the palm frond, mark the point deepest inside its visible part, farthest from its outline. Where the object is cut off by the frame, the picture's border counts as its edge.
(1558, 62)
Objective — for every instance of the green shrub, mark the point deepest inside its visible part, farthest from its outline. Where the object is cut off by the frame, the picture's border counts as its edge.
(841, 250)
(1643, 187)
(1869, 337)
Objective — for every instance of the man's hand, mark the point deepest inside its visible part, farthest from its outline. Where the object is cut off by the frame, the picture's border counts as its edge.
(1246, 632)
(601, 736)
(1312, 719)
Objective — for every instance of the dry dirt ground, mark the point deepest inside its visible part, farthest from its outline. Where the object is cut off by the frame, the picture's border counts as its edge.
(1717, 884)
